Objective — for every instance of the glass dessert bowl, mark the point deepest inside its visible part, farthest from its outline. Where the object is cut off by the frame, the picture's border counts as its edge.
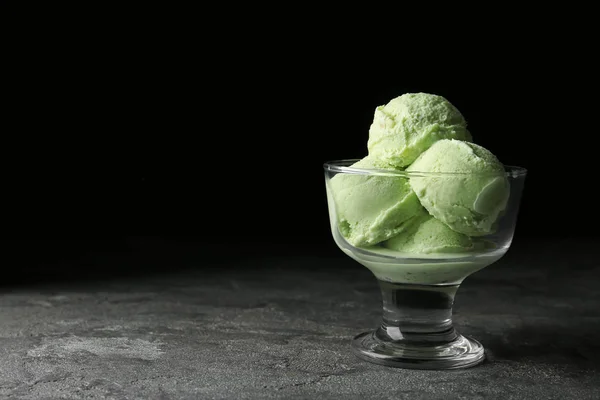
(421, 234)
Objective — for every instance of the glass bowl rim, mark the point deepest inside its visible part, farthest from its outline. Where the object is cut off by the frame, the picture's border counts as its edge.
(343, 166)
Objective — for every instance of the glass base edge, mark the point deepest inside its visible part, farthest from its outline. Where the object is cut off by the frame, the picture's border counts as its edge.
(464, 352)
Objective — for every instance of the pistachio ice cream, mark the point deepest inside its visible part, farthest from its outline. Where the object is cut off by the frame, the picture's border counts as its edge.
(409, 124)
(418, 206)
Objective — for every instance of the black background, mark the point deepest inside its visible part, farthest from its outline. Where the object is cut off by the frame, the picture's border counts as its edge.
(122, 137)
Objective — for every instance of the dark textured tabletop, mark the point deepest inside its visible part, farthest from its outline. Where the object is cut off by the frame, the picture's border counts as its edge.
(260, 325)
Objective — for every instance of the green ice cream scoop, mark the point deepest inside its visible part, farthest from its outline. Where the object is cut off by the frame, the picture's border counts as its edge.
(427, 234)
(372, 208)
(468, 201)
(409, 124)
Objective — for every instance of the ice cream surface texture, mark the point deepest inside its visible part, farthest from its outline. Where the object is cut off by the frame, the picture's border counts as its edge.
(471, 190)
(373, 208)
(409, 124)
(425, 235)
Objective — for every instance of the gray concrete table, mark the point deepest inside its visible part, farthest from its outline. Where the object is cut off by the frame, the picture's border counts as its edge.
(276, 327)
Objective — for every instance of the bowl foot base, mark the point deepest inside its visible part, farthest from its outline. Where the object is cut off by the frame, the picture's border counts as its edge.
(463, 352)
